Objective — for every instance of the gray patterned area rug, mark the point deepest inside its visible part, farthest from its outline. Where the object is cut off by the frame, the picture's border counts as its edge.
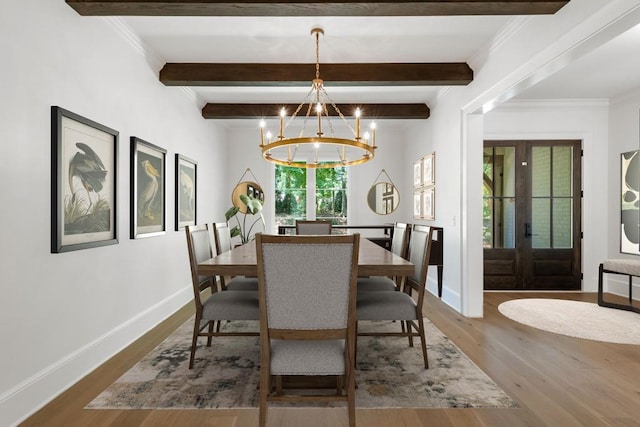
(390, 375)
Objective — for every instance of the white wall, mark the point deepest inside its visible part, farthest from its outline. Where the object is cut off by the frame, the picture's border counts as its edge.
(577, 120)
(64, 314)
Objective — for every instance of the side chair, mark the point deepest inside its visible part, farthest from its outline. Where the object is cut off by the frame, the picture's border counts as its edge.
(401, 306)
(218, 306)
(222, 237)
(313, 227)
(400, 247)
(307, 315)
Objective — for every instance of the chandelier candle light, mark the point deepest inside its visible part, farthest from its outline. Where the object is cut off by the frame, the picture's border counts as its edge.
(342, 151)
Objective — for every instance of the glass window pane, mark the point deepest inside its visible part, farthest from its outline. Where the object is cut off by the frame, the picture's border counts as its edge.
(562, 171)
(487, 223)
(487, 171)
(505, 172)
(504, 222)
(562, 223)
(541, 171)
(290, 194)
(541, 223)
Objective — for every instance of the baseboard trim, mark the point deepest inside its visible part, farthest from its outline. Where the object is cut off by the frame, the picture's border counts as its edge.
(447, 294)
(29, 396)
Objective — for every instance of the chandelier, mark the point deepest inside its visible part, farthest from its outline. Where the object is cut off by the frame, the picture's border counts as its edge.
(319, 151)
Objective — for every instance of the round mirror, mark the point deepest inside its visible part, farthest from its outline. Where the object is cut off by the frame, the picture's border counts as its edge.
(251, 189)
(383, 198)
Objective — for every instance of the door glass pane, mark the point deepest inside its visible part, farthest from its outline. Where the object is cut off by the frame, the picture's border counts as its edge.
(541, 171)
(498, 190)
(562, 171)
(487, 222)
(562, 223)
(505, 173)
(505, 221)
(541, 223)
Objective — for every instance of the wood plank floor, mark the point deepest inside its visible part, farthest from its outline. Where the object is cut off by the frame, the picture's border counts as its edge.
(557, 380)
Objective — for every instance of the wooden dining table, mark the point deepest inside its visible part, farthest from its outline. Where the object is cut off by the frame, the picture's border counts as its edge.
(373, 260)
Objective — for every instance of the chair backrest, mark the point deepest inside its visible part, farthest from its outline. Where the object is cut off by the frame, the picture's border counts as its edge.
(199, 247)
(222, 236)
(307, 283)
(313, 227)
(419, 253)
(400, 241)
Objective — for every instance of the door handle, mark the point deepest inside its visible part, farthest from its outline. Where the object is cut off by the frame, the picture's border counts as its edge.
(527, 230)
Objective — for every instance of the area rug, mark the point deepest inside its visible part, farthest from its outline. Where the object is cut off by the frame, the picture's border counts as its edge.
(391, 375)
(576, 319)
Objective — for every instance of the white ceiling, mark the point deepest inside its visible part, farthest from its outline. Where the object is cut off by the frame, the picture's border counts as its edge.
(607, 72)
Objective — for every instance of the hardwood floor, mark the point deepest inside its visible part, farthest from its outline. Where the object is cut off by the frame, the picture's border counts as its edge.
(557, 380)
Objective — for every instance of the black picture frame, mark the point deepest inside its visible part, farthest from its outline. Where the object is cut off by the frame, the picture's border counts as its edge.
(148, 189)
(84, 182)
(186, 191)
(629, 211)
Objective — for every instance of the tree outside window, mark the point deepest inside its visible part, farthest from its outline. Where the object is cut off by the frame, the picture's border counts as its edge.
(294, 185)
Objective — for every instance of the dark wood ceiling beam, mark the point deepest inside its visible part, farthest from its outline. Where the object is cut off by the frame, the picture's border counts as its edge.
(314, 8)
(200, 74)
(369, 111)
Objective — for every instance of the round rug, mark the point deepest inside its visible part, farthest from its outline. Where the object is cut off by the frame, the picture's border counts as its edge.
(576, 319)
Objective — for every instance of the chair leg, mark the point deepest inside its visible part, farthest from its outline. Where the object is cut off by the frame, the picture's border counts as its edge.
(194, 341)
(351, 396)
(210, 334)
(423, 341)
(264, 392)
(409, 333)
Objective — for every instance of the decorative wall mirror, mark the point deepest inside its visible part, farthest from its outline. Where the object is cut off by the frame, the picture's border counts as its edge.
(249, 188)
(383, 197)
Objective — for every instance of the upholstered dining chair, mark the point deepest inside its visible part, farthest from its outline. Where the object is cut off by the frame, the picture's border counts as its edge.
(392, 305)
(222, 237)
(218, 306)
(400, 247)
(307, 315)
(313, 227)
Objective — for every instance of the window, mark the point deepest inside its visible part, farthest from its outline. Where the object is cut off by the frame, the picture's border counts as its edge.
(295, 188)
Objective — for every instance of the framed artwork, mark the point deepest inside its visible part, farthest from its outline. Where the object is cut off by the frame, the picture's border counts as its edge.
(148, 195)
(417, 173)
(417, 204)
(428, 169)
(629, 211)
(186, 191)
(428, 204)
(84, 162)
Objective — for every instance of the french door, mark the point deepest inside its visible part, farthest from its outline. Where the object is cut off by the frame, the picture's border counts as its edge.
(532, 215)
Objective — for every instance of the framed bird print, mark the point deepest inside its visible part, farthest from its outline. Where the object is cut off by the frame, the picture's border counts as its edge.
(148, 176)
(84, 162)
(186, 194)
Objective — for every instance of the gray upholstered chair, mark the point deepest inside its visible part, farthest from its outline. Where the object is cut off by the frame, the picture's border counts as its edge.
(313, 227)
(307, 314)
(218, 306)
(400, 247)
(222, 236)
(392, 305)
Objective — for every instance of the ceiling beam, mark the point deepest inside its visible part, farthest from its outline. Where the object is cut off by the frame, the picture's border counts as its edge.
(314, 8)
(385, 74)
(370, 111)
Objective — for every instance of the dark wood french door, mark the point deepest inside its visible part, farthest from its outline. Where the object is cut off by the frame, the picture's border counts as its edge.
(532, 215)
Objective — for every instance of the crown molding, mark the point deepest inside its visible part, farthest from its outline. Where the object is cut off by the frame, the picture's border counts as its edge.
(525, 105)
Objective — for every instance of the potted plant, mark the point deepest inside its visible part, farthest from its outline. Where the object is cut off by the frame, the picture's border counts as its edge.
(254, 207)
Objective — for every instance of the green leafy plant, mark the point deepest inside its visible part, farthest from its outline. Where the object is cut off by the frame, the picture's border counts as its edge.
(254, 207)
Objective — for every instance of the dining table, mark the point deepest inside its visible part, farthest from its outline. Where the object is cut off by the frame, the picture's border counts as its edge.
(373, 260)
